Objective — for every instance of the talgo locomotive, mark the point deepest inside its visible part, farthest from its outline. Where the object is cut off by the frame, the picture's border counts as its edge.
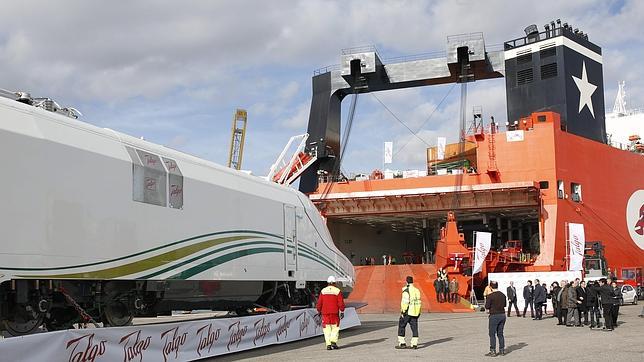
(103, 225)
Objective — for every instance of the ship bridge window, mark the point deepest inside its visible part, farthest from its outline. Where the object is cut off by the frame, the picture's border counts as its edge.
(560, 189)
(628, 273)
(575, 192)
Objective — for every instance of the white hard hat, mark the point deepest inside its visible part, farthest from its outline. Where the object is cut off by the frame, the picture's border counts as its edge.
(331, 280)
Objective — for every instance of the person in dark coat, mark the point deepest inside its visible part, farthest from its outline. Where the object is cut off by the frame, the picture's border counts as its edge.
(438, 286)
(495, 305)
(512, 299)
(545, 304)
(445, 290)
(554, 296)
(442, 276)
(582, 309)
(453, 291)
(528, 292)
(539, 298)
(592, 305)
(617, 301)
(564, 301)
(605, 293)
(573, 302)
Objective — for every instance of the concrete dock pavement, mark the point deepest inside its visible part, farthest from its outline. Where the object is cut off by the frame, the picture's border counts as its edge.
(463, 337)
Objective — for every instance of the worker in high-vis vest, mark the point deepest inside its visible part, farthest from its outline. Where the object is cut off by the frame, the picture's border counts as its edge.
(331, 307)
(409, 313)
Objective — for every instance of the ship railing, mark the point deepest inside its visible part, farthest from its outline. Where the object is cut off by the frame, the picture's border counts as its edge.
(327, 69)
(620, 145)
(360, 49)
(465, 36)
(415, 57)
(525, 40)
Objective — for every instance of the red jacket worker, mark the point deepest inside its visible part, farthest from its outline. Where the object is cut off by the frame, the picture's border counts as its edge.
(331, 307)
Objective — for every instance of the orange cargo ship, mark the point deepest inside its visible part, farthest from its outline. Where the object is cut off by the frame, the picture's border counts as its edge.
(550, 167)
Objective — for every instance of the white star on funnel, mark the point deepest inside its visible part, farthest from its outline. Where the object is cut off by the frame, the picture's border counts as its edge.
(586, 90)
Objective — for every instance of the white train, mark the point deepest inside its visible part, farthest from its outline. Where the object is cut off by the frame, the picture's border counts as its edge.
(98, 223)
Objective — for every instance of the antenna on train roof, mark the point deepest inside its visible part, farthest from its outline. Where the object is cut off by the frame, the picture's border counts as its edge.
(41, 102)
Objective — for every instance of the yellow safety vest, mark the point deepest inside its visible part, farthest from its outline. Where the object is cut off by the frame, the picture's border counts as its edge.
(410, 302)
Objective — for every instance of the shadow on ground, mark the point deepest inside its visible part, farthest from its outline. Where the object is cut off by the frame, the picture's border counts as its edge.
(436, 341)
(366, 327)
(360, 343)
(515, 347)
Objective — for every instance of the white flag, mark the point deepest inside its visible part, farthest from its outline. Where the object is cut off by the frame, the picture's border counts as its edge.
(483, 243)
(440, 147)
(577, 244)
(389, 152)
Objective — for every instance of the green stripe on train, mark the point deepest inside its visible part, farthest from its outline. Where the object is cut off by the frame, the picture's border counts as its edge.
(165, 270)
(190, 272)
(145, 264)
(174, 255)
(144, 251)
(301, 253)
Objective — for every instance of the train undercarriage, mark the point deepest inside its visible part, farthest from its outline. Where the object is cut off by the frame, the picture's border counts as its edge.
(26, 305)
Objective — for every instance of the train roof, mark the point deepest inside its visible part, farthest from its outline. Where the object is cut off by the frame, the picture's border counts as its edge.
(126, 139)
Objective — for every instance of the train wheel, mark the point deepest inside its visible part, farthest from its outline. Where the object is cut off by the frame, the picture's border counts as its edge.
(23, 320)
(282, 301)
(117, 313)
(242, 312)
(313, 299)
(61, 318)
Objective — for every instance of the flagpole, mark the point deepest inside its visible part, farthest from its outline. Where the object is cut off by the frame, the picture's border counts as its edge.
(474, 255)
(567, 258)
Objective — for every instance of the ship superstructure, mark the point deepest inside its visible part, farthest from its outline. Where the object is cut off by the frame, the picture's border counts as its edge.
(551, 166)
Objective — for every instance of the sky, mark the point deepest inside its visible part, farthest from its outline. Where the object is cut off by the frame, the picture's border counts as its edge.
(174, 72)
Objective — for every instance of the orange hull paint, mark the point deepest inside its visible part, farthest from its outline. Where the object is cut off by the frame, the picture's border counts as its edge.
(608, 177)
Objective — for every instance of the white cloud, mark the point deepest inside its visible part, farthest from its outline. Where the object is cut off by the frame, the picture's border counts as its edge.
(178, 141)
(299, 118)
(289, 91)
(170, 68)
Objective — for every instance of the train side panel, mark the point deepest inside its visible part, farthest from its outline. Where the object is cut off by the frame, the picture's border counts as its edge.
(71, 213)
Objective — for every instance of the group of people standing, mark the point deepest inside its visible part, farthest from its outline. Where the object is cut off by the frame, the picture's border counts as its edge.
(576, 300)
(572, 302)
(446, 290)
(534, 297)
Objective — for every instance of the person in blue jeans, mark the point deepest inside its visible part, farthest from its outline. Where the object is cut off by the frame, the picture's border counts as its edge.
(495, 305)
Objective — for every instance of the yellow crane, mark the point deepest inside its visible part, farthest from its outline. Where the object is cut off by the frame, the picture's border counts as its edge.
(237, 139)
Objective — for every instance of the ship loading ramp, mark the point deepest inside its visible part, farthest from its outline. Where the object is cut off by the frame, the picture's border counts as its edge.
(380, 287)
(407, 226)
